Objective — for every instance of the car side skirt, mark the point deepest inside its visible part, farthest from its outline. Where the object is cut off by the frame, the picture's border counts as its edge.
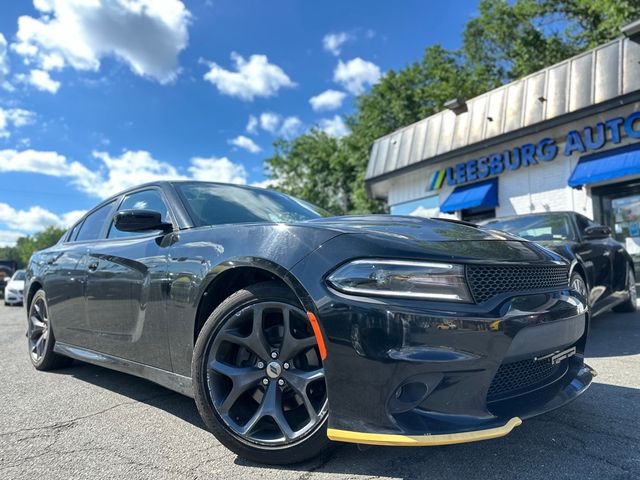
(172, 381)
(422, 440)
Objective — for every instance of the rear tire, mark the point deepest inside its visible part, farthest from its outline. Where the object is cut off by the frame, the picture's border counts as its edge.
(40, 338)
(629, 305)
(236, 351)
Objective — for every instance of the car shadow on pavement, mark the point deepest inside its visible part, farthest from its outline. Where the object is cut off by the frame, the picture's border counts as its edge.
(136, 389)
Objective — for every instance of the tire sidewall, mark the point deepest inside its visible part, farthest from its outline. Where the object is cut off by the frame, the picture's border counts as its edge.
(48, 357)
(306, 448)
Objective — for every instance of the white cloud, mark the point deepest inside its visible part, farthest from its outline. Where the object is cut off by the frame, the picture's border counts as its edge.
(252, 125)
(118, 172)
(327, 100)
(290, 127)
(8, 237)
(41, 80)
(131, 168)
(252, 78)
(43, 162)
(34, 219)
(332, 42)
(270, 121)
(4, 63)
(334, 127)
(246, 143)
(266, 183)
(356, 75)
(277, 125)
(217, 169)
(147, 35)
(14, 117)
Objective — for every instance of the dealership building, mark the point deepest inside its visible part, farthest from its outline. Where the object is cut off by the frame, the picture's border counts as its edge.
(564, 138)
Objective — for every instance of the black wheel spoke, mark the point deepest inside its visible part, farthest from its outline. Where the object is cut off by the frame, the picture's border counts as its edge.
(299, 380)
(292, 346)
(243, 378)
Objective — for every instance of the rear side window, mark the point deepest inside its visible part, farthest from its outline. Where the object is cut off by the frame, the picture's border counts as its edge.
(92, 225)
(74, 233)
(145, 200)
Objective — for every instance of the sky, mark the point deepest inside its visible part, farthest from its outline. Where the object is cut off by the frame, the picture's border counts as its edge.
(97, 96)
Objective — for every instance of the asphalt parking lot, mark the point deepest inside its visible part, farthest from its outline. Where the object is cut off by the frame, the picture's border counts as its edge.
(88, 422)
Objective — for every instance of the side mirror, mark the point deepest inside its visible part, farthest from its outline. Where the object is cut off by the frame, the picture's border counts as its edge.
(597, 231)
(140, 221)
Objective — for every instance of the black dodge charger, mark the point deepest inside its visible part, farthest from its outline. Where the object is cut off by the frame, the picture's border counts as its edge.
(291, 329)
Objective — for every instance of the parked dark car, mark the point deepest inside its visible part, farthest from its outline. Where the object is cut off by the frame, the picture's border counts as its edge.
(420, 332)
(602, 268)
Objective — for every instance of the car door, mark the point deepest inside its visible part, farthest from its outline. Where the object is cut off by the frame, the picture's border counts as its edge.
(65, 278)
(596, 256)
(126, 281)
(64, 281)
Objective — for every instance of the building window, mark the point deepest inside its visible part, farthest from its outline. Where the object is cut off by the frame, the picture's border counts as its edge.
(424, 207)
(477, 214)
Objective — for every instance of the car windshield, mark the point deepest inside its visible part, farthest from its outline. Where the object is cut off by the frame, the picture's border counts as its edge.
(536, 227)
(215, 204)
(19, 275)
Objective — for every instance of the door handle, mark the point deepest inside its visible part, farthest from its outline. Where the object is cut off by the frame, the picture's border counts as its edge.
(93, 266)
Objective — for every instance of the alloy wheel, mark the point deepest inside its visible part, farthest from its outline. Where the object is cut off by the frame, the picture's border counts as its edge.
(265, 377)
(38, 333)
(633, 294)
(577, 283)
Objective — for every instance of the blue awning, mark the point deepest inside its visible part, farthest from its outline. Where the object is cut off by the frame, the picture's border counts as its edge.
(480, 194)
(606, 166)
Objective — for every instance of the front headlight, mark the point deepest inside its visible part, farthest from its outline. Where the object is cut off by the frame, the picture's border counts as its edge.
(400, 278)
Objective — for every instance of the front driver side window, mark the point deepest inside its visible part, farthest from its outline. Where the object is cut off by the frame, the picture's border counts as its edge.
(145, 200)
(584, 223)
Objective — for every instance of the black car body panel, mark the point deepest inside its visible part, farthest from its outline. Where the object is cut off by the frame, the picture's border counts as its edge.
(135, 305)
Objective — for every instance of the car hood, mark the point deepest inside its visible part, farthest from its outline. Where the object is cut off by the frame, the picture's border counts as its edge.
(411, 228)
(563, 248)
(15, 285)
(414, 237)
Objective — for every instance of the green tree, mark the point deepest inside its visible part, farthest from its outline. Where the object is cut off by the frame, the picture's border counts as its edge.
(507, 40)
(25, 246)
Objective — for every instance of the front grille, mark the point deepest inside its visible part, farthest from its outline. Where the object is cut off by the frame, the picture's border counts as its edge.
(518, 377)
(487, 281)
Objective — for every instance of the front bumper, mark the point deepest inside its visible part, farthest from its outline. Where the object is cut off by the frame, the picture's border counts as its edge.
(408, 372)
(13, 297)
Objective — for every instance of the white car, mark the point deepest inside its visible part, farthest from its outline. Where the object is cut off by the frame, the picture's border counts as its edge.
(14, 290)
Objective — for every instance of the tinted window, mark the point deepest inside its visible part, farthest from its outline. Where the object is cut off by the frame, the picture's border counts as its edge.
(74, 233)
(212, 204)
(145, 200)
(19, 275)
(92, 225)
(584, 222)
(536, 227)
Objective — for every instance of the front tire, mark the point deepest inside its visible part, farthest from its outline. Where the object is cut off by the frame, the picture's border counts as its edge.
(578, 284)
(629, 305)
(40, 336)
(258, 377)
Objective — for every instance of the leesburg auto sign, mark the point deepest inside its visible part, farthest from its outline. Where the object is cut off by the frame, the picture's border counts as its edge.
(587, 140)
